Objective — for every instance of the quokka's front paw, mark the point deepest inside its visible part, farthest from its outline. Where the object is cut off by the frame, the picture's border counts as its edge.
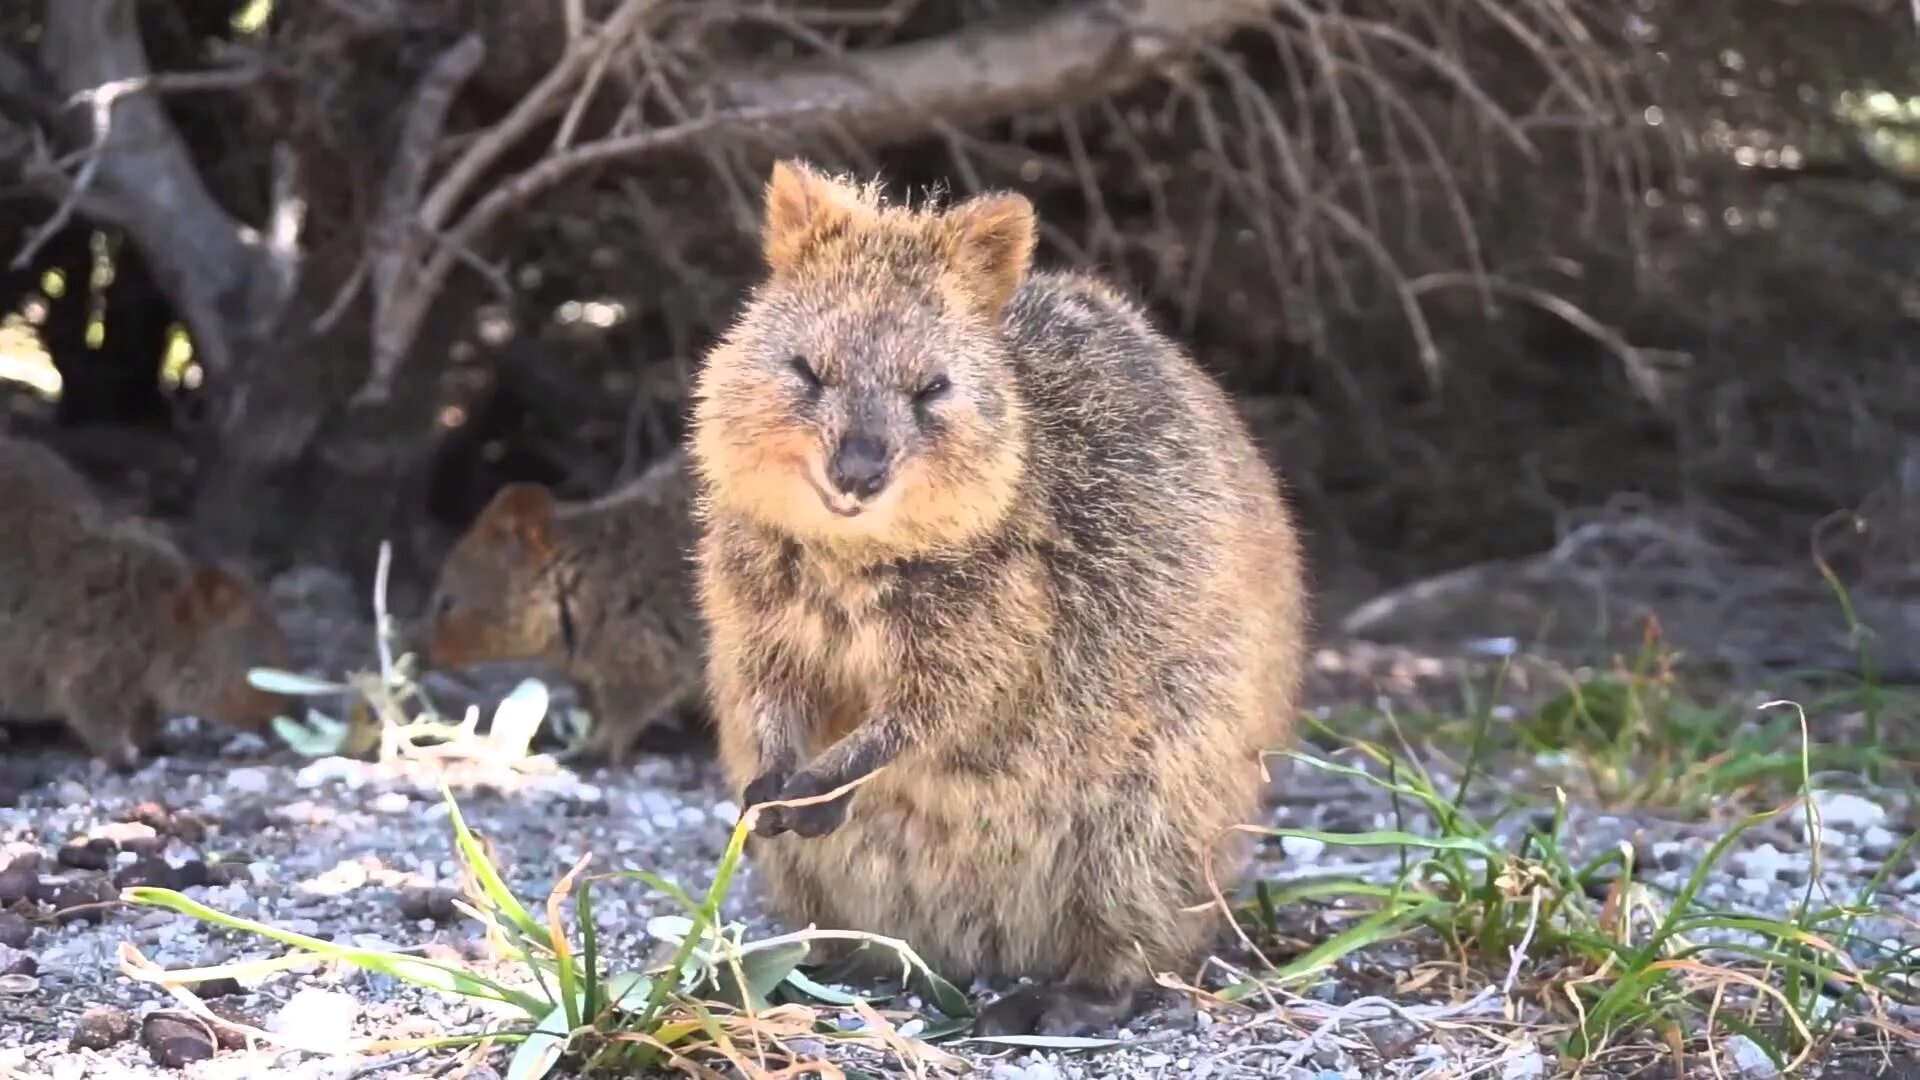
(765, 788)
(818, 819)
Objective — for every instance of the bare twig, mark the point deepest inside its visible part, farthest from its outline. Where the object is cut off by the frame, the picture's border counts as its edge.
(395, 240)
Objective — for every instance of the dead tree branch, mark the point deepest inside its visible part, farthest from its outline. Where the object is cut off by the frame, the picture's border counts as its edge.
(1065, 57)
(217, 270)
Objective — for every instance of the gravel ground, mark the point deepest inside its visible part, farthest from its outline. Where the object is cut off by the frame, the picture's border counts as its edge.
(361, 853)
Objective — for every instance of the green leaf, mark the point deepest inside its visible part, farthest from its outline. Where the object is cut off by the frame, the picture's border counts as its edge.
(589, 950)
(542, 1048)
(489, 878)
(946, 1029)
(822, 992)
(275, 681)
(413, 969)
(320, 736)
(518, 717)
(670, 928)
(628, 991)
(762, 969)
(946, 996)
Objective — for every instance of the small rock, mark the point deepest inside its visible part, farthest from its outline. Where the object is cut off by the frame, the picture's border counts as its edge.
(1304, 849)
(227, 872)
(427, 902)
(229, 1038)
(15, 962)
(250, 780)
(345, 770)
(20, 854)
(217, 988)
(1848, 813)
(152, 815)
(130, 836)
(101, 1027)
(1765, 862)
(147, 871)
(1748, 1059)
(93, 853)
(318, 1017)
(191, 874)
(1526, 1065)
(391, 802)
(1754, 886)
(1669, 855)
(1156, 1061)
(1878, 843)
(84, 900)
(246, 820)
(72, 793)
(15, 931)
(175, 1040)
(16, 883)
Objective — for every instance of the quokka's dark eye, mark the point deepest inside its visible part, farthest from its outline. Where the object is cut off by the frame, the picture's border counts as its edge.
(935, 388)
(807, 374)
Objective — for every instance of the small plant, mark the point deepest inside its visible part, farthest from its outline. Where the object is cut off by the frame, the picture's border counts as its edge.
(1610, 955)
(389, 710)
(720, 999)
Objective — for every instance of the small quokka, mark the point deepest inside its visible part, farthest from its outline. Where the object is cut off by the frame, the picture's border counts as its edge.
(601, 590)
(107, 625)
(981, 535)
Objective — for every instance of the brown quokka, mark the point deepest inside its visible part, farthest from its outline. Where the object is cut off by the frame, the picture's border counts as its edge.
(601, 590)
(985, 526)
(107, 625)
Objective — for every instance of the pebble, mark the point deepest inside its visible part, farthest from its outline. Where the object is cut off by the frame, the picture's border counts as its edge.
(317, 1017)
(1303, 849)
(176, 1041)
(15, 931)
(1848, 813)
(1749, 1061)
(15, 962)
(250, 780)
(427, 902)
(1526, 1065)
(391, 802)
(100, 1027)
(16, 883)
(1877, 843)
(1765, 862)
(1156, 1061)
(81, 900)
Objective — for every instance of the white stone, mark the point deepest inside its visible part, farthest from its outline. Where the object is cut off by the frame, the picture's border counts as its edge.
(1749, 1060)
(1766, 862)
(1525, 1065)
(317, 1017)
(391, 802)
(1847, 812)
(1304, 849)
(250, 780)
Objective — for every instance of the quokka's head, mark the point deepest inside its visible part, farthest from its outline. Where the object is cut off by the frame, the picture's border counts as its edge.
(866, 397)
(496, 597)
(218, 628)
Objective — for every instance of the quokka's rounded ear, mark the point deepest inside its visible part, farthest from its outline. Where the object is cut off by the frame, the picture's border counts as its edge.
(803, 204)
(523, 513)
(994, 236)
(209, 594)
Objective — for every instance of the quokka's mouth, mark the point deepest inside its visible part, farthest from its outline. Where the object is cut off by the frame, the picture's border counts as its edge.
(835, 506)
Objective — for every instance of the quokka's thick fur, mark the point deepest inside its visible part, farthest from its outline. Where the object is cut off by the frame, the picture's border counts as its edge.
(986, 527)
(602, 590)
(106, 625)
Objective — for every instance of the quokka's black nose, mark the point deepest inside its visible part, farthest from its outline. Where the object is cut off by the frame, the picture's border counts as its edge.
(859, 467)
